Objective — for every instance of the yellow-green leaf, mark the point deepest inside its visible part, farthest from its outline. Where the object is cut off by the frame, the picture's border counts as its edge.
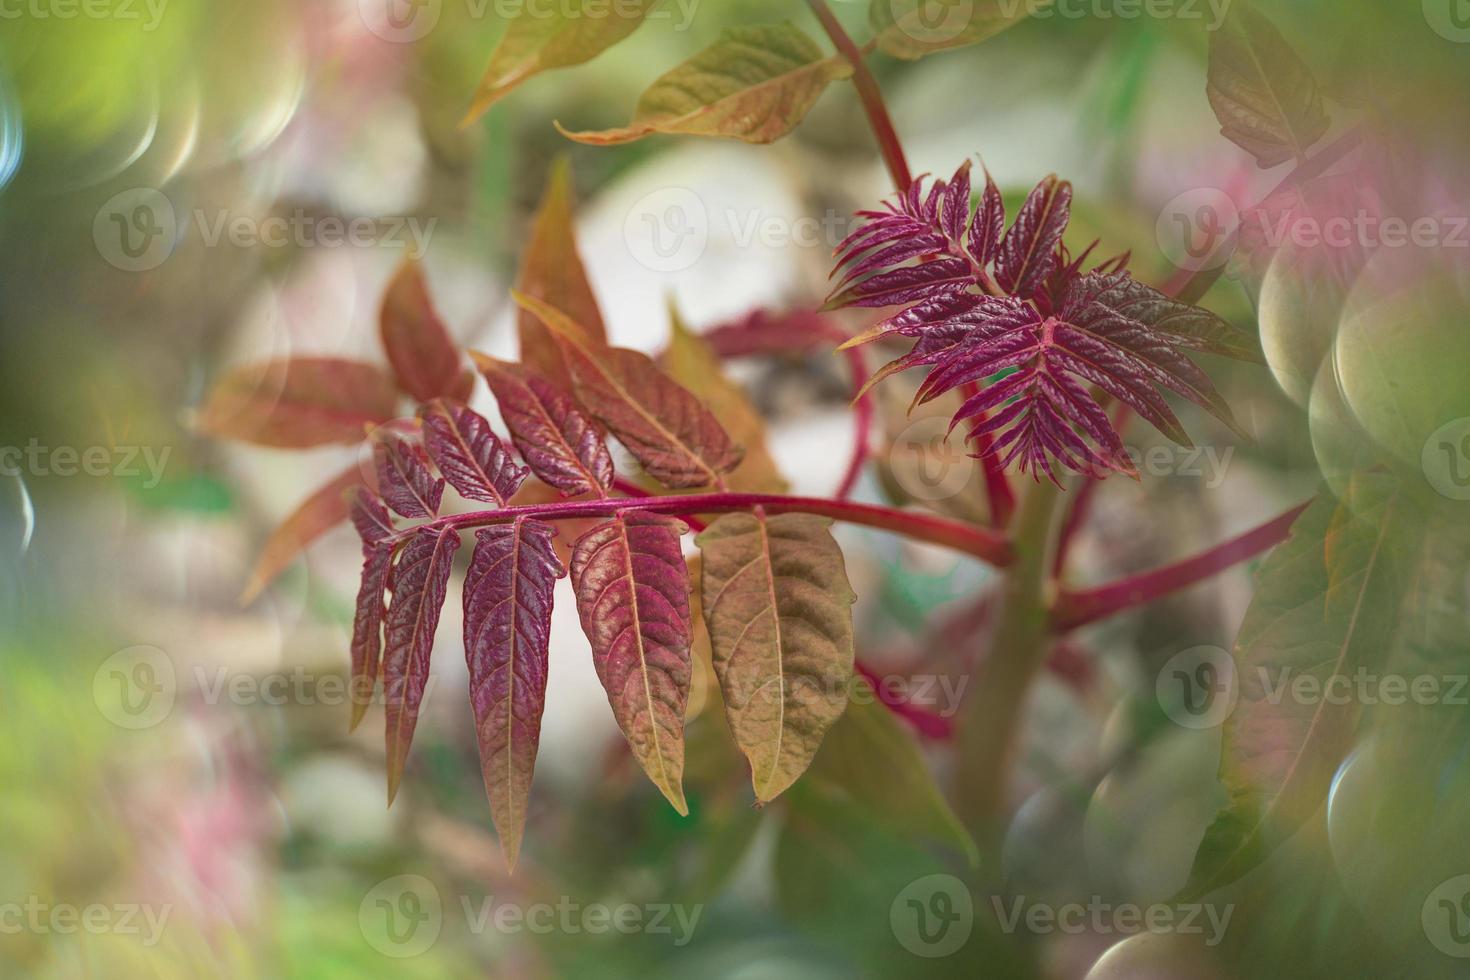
(779, 610)
(539, 39)
(910, 29)
(754, 84)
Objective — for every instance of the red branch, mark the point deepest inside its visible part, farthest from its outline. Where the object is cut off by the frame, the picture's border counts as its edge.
(862, 422)
(1074, 609)
(979, 542)
(997, 486)
(872, 97)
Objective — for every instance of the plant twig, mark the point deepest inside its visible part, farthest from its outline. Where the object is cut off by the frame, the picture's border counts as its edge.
(862, 422)
(1075, 609)
(978, 542)
(868, 91)
(997, 485)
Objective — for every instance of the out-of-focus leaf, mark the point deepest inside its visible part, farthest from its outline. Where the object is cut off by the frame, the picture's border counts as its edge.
(424, 358)
(754, 84)
(404, 478)
(557, 442)
(689, 361)
(678, 441)
(779, 609)
(552, 271)
(374, 524)
(420, 582)
(870, 756)
(538, 40)
(316, 515)
(1262, 92)
(910, 29)
(300, 402)
(507, 627)
(469, 454)
(632, 590)
(1328, 603)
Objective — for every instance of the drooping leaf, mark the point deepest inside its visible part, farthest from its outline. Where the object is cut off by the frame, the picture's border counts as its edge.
(779, 609)
(1264, 95)
(538, 40)
(676, 438)
(557, 442)
(374, 525)
(911, 29)
(754, 84)
(1037, 348)
(871, 758)
(316, 515)
(1028, 250)
(471, 457)
(632, 590)
(552, 271)
(424, 358)
(299, 402)
(404, 478)
(507, 628)
(420, 582)
(690, 362)
(1328, 603)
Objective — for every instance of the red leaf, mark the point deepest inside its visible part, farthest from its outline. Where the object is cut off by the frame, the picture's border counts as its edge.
(374, 525)
(404, 478)
(469, 454)
(424, 358)
(1027, 252)
(315, 516)
(507, 627)
(300, 402)
(420, 581)
(678, 441)
(632, 589)
(557, 442)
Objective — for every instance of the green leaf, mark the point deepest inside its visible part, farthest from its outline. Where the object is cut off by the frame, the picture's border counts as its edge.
(911, 29)
(1262, 92)
(871, 757)
(1328, 604)
(754, 84)
(779, 610)
(539, 39)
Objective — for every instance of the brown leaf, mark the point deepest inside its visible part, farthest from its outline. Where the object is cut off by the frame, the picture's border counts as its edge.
(424, 358)
(316, 515)
(299, 402)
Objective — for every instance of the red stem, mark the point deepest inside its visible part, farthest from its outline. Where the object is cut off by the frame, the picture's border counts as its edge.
(930, 724)
(862, 421)
(872, 97)
(979, 542)
(1074, 609)
(1081, 508)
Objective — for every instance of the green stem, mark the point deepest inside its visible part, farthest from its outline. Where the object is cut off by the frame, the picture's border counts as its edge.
(990, 726)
